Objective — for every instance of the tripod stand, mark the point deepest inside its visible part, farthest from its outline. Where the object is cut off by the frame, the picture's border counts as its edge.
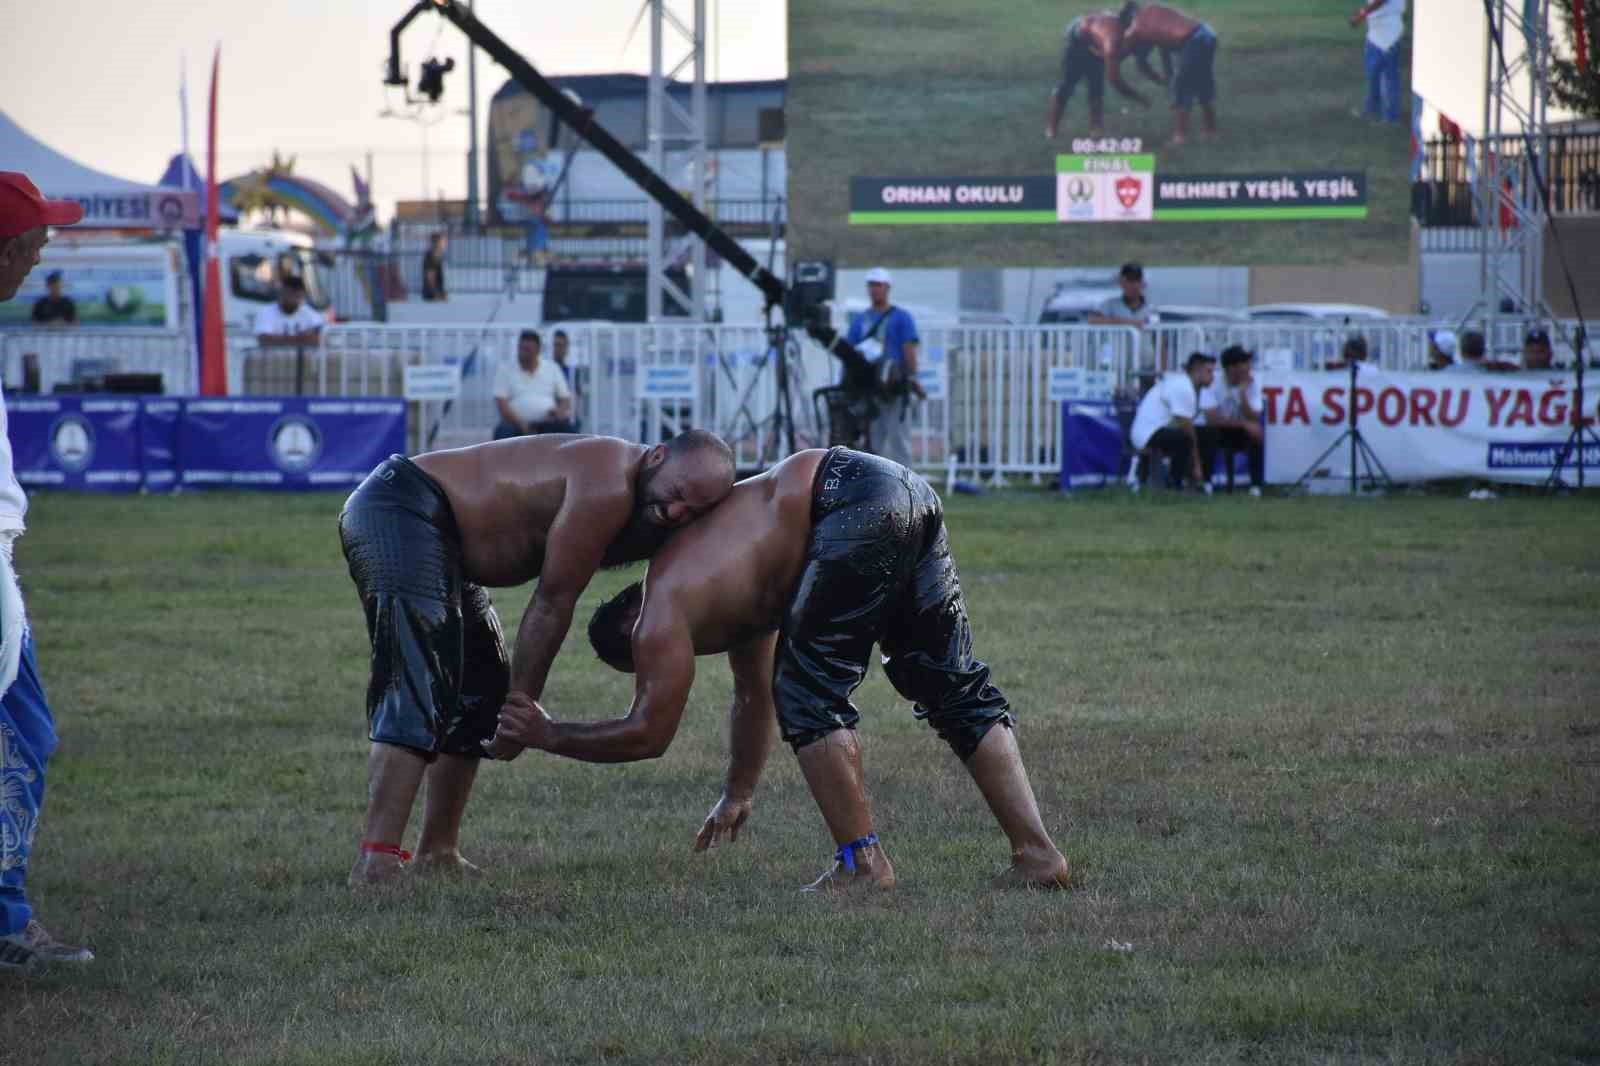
(1575, 442)
(1358, 447)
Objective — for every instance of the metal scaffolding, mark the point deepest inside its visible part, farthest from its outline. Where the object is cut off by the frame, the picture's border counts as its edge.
(669, 126)
(1511, 214)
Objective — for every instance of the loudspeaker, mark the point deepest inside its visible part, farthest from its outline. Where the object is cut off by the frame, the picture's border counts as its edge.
(140, 384)
(810, 286)
(770, 126)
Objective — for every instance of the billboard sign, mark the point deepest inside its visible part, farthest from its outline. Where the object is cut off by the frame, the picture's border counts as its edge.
(1209, 132)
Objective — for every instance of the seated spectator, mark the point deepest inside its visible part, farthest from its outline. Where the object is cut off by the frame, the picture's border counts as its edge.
(1441, 349)
(531, 393)
(55, 308)
(1536, 351)
(1164, 422)
(1470, 356)
(559, 346)
(1230, 419)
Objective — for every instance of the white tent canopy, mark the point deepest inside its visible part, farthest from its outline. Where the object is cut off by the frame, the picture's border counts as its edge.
(107, 200)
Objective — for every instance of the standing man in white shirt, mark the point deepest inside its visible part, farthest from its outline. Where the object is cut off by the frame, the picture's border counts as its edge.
(27, 729)
(289, 323)
(531, 394)
(1165, 420)
(1386, 24)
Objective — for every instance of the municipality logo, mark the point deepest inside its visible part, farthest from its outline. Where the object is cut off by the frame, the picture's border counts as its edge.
(72, 443)
(294, 443)
(1076, 198)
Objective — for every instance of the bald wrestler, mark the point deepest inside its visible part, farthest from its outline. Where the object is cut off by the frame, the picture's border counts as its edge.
(1147, 26)
(424, 537)
(796, 575)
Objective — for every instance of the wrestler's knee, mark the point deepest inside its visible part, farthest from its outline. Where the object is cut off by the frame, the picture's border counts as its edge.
(804, 728)
(964, 732)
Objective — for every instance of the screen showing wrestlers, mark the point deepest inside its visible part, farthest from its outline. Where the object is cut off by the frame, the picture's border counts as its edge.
(1205, 132)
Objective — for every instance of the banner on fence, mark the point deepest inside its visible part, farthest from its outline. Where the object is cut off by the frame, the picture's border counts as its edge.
(1421, 426)
(121, 444)
(76, 442)
(1091, 444)
(288, 442)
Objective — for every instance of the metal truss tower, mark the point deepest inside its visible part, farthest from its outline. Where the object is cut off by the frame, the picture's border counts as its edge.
(669, 126)
(1511, 214)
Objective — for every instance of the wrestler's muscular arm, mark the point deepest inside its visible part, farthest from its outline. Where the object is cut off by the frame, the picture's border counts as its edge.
(592, 514)
(663, 654)
(752, 729)
(1113, 47)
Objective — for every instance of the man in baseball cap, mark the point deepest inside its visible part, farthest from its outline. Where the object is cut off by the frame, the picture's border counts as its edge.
(25, 218)
(27, 729)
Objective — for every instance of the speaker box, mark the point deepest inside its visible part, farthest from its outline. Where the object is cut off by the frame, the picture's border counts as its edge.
(811, 284)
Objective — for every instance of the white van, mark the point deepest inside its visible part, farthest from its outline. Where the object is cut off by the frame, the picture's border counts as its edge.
(142, 282)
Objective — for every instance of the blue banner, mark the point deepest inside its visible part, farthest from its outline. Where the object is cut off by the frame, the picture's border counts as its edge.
(289, 442)
(76, 442)
(125, 443)
(158, 443)
(1091, 444)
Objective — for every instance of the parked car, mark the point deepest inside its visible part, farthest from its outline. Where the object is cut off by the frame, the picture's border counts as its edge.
(1337, 312)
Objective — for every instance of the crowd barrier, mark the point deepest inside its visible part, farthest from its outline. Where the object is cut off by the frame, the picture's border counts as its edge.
(992, 412)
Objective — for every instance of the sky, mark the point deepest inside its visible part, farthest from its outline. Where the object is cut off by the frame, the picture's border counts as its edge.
(98, 79)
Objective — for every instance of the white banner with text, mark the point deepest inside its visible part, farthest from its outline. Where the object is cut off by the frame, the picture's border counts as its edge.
(1511, 427)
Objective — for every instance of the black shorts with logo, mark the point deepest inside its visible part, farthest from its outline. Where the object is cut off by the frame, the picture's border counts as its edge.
(439, 665)
(878, 570)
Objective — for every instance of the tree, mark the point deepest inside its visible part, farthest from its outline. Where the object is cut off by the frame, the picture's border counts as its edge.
(1574, 86)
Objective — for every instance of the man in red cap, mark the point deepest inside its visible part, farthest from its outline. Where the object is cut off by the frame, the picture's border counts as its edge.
(27, 732)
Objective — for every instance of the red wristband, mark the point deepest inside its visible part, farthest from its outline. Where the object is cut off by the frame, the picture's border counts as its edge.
(396, 850)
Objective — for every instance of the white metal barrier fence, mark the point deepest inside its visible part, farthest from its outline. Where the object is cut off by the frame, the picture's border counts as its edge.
(989, 408)
(43, 360)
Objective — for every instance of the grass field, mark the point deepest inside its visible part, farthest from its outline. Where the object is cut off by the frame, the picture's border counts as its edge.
(1328, 772)
(900, 88)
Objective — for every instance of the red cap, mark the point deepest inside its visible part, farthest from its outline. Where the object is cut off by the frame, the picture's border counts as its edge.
(22, 207)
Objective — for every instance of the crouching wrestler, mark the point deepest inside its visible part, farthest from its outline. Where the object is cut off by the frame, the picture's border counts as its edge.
(796, 575)
(424, 537)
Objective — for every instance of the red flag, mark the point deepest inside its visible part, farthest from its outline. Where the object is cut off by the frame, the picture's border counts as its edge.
(213, 343)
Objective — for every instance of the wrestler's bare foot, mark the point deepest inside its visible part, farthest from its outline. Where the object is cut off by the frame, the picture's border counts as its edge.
(376, 872)
(873, 871)
(443, 864)
(1037, 868)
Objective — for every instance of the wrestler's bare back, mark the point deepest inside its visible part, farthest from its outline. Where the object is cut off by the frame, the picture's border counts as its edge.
(506, 495)
(1158, 25)
(731, 575)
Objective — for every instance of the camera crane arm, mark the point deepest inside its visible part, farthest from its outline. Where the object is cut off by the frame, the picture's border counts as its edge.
(582, 122)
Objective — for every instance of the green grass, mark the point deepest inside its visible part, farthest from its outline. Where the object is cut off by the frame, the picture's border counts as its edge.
(952, 88)
(1328, 772)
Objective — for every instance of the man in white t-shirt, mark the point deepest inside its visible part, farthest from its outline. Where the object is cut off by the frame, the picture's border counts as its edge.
(1230, 419)
(27, 729)
(289, 323)
(531, 394)
(1164, 422)
(1386, 24)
